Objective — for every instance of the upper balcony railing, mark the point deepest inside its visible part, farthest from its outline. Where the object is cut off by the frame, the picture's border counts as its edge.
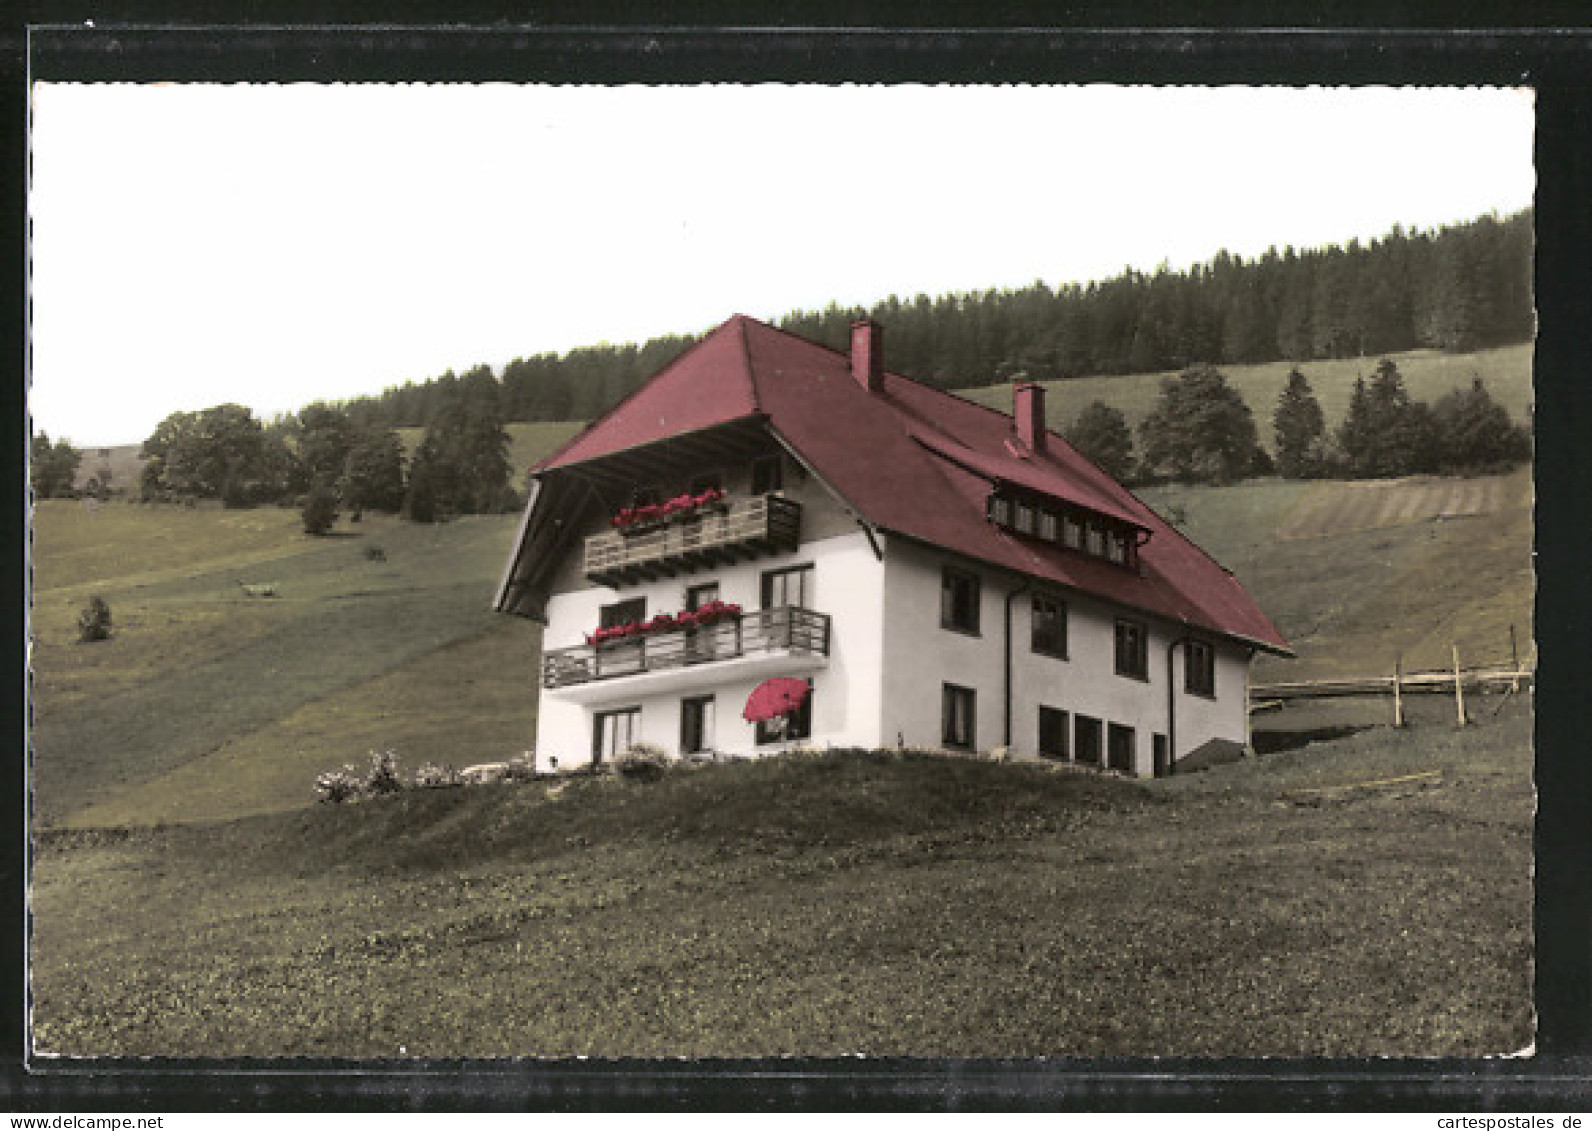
(778, 631)
(715, 534)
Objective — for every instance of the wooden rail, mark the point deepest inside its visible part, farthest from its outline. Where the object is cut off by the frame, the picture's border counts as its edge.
(716, 534)
(1409, 683)
(786, 627)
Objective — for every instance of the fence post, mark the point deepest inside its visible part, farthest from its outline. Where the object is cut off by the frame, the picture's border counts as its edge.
(1398, 692)
(1459, 689)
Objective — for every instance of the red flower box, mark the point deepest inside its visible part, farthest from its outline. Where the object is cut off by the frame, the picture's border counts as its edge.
(680, 505)
(709, 613)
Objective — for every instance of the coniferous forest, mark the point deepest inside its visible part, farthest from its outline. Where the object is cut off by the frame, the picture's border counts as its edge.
(1459, 288)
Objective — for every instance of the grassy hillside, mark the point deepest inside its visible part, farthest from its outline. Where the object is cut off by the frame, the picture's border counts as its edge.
(1364, 898)
(1377, 581)
(1428, 374)
(207, 702)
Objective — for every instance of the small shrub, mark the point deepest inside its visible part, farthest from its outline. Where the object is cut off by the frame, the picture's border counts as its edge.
(432, 776)
(521, 767)
(320, 511)
(374, 553)
(642, 762)
(94, 622)
(337, 786)
(383, 775)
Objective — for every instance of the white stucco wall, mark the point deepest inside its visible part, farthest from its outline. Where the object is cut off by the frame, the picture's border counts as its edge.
(847, 581)
(921, 657)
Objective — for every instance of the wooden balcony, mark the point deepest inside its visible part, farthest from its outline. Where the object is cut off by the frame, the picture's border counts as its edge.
(725, 649)
(727, 532)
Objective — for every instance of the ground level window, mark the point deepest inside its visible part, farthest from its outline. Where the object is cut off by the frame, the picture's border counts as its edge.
(1199, 671)
(798, 724)
(1086, 735)
(1133, 650)
(614, 731)
(696, 724)
(1052, 732)
(1122, 747)
(957, 721)
(1163, 761)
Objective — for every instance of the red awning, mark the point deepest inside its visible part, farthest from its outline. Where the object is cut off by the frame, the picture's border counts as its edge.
(775, 697)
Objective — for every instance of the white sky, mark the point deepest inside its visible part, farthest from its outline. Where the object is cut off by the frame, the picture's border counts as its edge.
(272, 245)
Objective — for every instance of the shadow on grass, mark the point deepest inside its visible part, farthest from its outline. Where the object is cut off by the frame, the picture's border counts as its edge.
(1277, 741)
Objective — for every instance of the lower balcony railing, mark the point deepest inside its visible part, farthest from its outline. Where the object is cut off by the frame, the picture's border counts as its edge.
(784, 629)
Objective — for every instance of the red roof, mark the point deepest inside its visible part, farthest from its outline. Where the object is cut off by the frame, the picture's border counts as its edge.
(920, 462)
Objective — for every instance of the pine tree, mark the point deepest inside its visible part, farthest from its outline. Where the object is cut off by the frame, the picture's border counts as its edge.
(1200, 430)
(1474, 432)
(1300, 430)
(1101, 433)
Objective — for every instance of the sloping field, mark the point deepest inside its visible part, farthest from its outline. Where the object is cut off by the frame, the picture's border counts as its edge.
(1360, 575)
(1428, 374)
(207, 702)
(1337, 508)
(1370, 897)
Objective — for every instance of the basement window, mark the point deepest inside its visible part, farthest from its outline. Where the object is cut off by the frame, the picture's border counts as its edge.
(1086, 735)
(1122, 744)
(1052, 732)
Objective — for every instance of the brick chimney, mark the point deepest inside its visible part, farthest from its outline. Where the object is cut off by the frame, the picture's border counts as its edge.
(867, 354)
(1028, 414)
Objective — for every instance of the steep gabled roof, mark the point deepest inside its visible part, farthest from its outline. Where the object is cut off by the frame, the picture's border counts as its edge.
(920, 462)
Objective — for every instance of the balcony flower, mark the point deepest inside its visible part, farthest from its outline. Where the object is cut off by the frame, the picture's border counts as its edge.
(710, 613)
(679, 506)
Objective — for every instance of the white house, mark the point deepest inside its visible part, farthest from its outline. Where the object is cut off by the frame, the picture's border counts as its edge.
(941, 574)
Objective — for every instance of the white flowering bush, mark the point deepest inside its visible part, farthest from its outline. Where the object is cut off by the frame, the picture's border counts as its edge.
(348, 784)
(642, 762)
(429, 775)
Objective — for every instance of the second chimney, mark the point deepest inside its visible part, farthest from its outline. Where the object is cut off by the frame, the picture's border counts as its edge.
(1028, 413)
(867, 354)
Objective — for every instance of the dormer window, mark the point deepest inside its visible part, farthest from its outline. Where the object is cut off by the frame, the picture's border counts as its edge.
(1076, 528)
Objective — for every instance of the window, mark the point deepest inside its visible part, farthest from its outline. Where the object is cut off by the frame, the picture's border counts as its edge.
(701, 643)
(696, 724)
(1122, 747)
(1117, 547)
(1162, 762)
(1095, 540)
(1049, 525)
(957, 721)
(1199, 669)
(1052, 732)
(1049, 632)
(1086, 739)
(622, 612)
(999, 510)
(1133, 657)
(768, 474)
(1071, 533)
(712, 480)
(614, 731)
(1025, 519)
(791, 586)
(798, 724)
(959, 600)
